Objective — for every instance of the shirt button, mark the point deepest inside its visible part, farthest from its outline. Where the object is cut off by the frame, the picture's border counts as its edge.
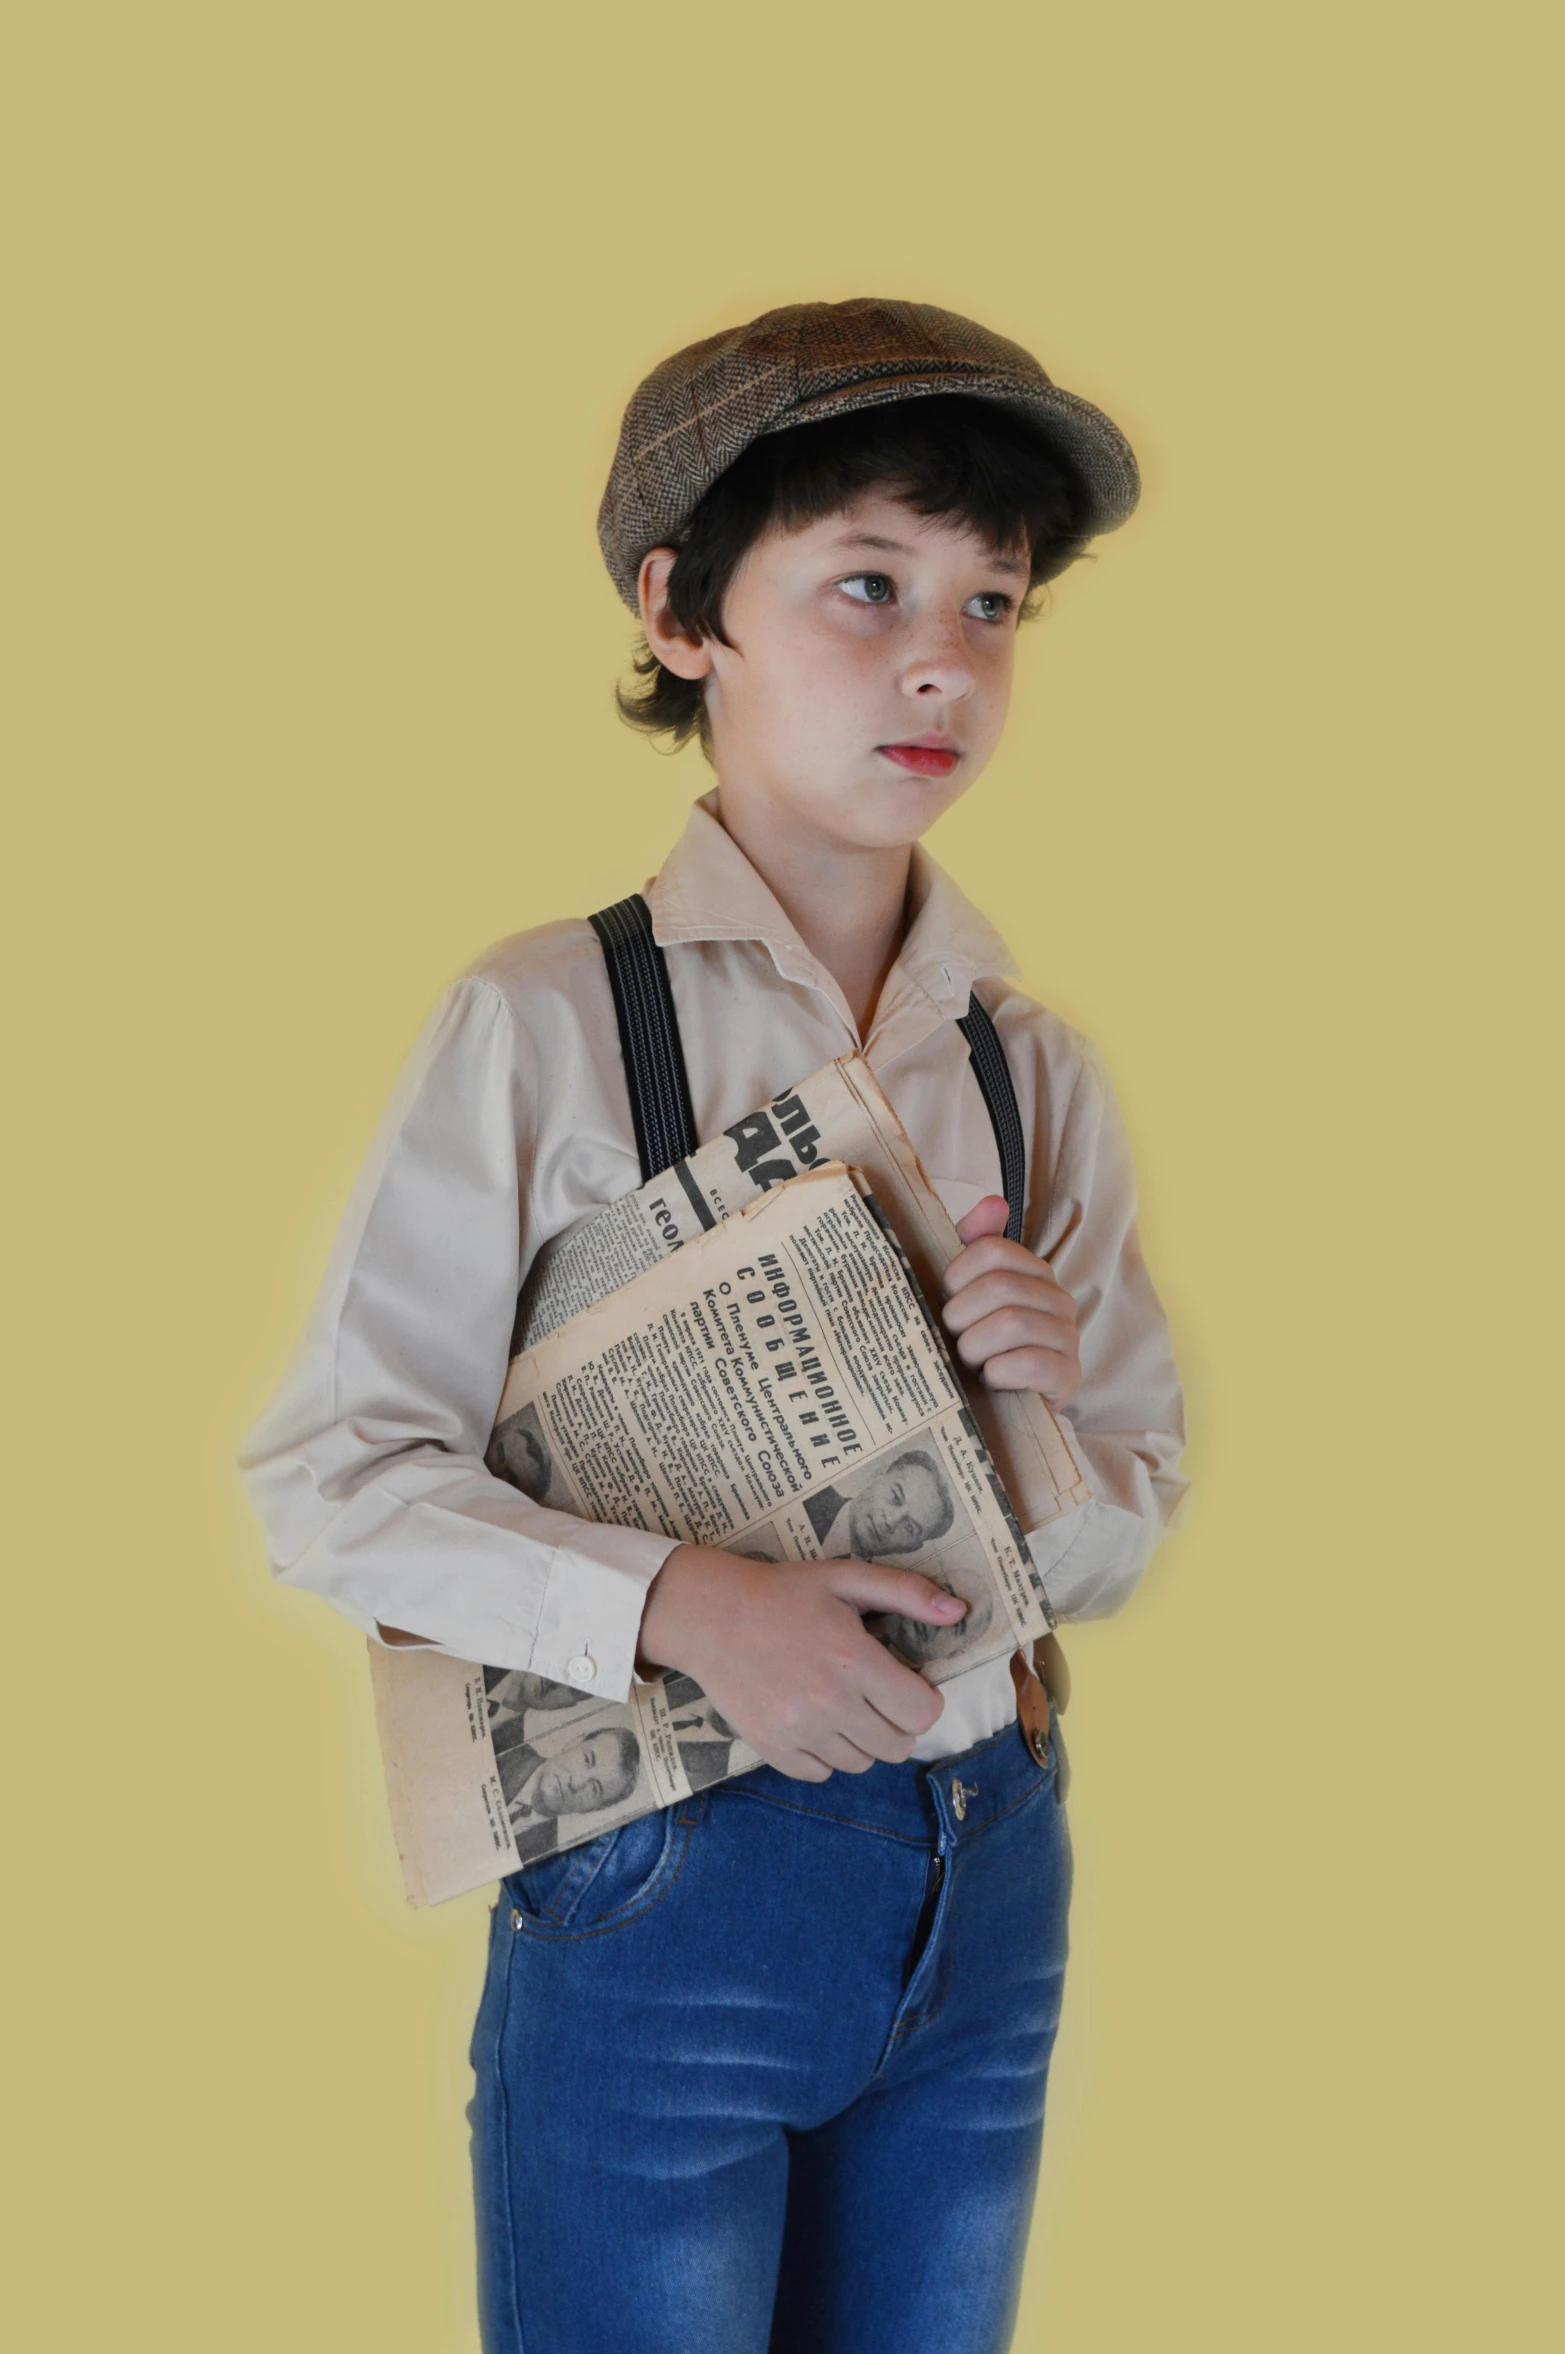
(581, 1669)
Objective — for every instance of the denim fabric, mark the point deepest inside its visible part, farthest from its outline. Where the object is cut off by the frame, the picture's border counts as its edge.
(766, 2070)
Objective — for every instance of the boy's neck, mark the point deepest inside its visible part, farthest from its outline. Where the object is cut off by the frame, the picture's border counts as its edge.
(847, 904)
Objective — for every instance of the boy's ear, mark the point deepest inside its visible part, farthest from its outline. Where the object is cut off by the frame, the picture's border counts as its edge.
(686, 657)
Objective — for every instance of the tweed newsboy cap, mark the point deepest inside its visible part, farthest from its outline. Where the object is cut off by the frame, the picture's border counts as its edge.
(694, 414)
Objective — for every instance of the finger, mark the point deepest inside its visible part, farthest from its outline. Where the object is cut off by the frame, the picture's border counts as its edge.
(989, 1251)
(1003, 1262)
(1015, 1328)
(877, 1736)
(901, 1695)
(874, 1585)
(985, 1217)
(842, 1755)
(1007, 1287)
(1045, 1371)
(800, 1766)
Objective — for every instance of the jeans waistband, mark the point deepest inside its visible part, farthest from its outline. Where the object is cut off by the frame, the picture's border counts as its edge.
(950, 1798)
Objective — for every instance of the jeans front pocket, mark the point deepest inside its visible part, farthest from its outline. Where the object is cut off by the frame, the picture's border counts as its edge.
(606, 1881)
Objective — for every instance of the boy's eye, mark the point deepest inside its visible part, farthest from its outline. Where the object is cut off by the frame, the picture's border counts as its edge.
(869, 588)
(994, 604)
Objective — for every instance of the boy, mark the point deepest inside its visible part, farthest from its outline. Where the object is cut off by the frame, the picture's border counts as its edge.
(766, 2069)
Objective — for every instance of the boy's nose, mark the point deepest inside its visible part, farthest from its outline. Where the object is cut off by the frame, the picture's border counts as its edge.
(940, 665)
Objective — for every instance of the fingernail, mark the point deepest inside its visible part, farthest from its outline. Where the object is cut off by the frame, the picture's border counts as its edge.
(949, 1607)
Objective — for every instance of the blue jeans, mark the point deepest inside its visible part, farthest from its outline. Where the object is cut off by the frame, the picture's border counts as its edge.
(766, 2070)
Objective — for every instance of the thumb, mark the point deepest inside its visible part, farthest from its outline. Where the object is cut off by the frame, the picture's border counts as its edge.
(985, 1217)
(874, 1585)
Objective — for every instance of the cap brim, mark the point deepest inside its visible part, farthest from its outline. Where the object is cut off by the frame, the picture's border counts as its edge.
(1092, 443)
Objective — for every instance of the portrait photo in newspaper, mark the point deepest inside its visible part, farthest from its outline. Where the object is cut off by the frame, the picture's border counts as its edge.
(709, 1748)
(567, 1769)
(904, 1510)
(519, 1452)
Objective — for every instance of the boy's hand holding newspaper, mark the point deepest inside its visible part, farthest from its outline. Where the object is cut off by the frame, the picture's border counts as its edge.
(781, 1649)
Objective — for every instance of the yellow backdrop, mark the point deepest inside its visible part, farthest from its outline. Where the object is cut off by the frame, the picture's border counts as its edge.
(321, 317)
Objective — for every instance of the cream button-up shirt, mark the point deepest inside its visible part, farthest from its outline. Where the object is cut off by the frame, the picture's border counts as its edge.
(511, 1122)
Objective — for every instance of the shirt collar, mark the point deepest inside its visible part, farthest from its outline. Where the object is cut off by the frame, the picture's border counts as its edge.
(706, 889)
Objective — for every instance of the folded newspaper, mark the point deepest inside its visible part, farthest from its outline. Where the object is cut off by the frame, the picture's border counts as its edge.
(740, 1353)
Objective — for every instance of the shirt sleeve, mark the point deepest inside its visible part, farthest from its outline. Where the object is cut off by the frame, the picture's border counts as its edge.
(1126, 1421)
(367, 1469)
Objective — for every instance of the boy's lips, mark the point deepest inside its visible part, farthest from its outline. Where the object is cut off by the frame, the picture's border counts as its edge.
(923, 755)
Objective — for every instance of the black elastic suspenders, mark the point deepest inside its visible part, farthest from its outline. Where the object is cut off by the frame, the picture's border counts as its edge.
(648, 1036)
(993, 1074)
(655, 1060)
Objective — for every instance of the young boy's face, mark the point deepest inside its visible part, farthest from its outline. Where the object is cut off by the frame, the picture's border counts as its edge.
(870, 670)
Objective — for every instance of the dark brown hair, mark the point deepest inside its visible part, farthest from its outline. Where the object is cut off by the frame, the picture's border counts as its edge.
(946, 454)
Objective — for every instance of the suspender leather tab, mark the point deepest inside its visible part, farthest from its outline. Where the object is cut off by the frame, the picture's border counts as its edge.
(1032, 1707)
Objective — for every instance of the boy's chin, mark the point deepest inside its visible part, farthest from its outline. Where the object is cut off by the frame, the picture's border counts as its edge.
(883, 809)
(863, 804)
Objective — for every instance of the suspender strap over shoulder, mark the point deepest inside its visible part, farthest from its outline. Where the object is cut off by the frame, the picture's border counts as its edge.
(993, 1074)
(655, 1061)
(648, 1035)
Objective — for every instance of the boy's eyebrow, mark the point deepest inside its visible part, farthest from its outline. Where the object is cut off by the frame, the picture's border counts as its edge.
(902, 547)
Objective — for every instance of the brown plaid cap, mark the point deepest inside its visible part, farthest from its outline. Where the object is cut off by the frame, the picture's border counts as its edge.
(694, 414)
